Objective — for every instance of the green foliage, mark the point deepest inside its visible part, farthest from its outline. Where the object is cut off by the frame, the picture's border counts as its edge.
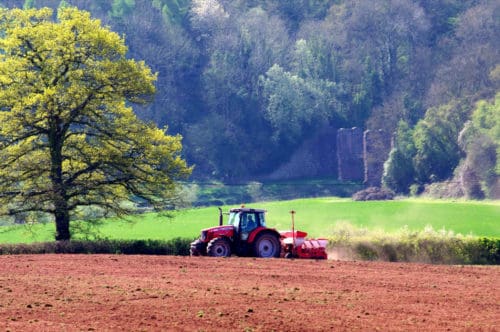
(437, 151)
(427, 246)
(69, 137)
(297, 11)
(294, 104)
(121, 8)
(28, 4)
(486, 118)
(173, 10)
(399, 172)
(176, 246)
(232, 125)
(484, 251)
(220, 194)
(480, 139)
(344, 63)
(356, 60)
(432, 150)
(63, 4)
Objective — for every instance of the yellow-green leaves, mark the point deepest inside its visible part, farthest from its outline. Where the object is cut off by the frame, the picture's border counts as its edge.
(68, 136)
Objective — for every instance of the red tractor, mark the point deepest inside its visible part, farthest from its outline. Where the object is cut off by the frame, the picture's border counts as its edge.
(246, 234)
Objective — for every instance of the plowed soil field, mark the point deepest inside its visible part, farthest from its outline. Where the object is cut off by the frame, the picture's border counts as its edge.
(153, 293)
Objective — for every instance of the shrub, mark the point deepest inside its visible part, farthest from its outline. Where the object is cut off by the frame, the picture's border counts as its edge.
(366, 251)
(484, 251)
(373, 194)
(426, 246)
(176, 246)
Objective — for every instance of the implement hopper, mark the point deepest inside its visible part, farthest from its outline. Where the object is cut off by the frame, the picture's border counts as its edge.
(296, 245)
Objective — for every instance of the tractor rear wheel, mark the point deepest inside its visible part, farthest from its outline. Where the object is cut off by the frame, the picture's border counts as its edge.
(198, 248)
(267, 245)
(219, 247)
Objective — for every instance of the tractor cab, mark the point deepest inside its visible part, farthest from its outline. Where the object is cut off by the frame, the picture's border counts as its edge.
(245, 234)
(246, 220)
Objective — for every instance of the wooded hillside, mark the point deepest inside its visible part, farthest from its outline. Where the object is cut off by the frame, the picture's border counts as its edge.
(259, 87)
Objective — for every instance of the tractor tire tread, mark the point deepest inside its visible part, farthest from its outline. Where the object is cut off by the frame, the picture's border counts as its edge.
(272, 238)
(214, 246)
(198, 248)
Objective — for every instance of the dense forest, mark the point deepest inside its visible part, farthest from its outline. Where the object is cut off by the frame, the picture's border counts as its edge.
(258, 86)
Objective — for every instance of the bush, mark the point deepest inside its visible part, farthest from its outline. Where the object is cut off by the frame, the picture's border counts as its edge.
(373, 194)
(484, 251)
(177, 246)
(427, 246)
(366, 251)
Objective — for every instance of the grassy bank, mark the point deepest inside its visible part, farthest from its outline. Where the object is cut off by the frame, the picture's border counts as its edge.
(319, 217)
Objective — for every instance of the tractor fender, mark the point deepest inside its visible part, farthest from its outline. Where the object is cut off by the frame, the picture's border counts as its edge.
(260, 230)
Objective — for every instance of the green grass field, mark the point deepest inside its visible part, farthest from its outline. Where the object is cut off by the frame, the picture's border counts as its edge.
(317, 216)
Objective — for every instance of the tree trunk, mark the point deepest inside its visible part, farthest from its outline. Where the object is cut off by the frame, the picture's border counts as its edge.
(61, 212)
(59, 199)
(62, 225)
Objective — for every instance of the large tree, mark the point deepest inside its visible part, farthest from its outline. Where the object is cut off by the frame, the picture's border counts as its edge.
(68, 135)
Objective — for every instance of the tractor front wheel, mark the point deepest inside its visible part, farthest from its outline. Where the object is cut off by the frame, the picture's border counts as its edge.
(198, 248)
(267, 246)
(219, 247)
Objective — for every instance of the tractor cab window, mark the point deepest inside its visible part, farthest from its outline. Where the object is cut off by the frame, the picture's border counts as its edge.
(261, 220)
(234, 219)
(248, 222)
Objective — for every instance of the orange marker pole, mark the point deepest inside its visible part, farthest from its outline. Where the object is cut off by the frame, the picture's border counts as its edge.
(293, 228)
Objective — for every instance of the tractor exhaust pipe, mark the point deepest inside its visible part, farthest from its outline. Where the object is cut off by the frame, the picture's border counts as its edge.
(221, 221)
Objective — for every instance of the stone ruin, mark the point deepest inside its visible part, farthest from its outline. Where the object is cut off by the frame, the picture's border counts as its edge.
(361, 155)
(350, 154)
(377, 146)
(356, 155)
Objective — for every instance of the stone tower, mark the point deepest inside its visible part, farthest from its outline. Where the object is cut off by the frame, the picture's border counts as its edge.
(350, 154)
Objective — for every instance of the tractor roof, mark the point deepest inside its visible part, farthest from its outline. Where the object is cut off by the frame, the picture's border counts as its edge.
(244, 209)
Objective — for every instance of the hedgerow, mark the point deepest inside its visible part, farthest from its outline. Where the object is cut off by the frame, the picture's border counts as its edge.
(176, 246)
(427, 246)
